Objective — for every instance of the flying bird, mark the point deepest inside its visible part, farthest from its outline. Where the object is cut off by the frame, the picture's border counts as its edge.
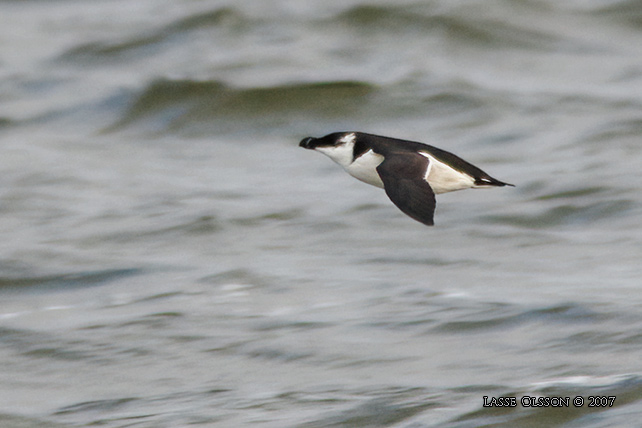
(411, 173)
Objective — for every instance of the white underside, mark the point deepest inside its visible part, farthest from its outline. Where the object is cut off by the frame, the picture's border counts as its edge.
(364, 168)
(443, 178)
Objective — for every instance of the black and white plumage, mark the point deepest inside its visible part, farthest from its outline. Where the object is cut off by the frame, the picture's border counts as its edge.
(411, 173)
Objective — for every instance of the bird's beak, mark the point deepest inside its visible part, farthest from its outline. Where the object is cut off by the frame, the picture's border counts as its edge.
(305, 143)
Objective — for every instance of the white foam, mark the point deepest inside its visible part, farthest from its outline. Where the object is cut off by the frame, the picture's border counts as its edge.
(594, 381)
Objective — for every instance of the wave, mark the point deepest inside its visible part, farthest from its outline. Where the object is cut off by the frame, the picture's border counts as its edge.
(5, 122)
(66, 280)
(577, 214)
(173, 105)
(498, 317)
(211, 106)
(626, 389)
(458, 25)
(627, 11)
(223, 18)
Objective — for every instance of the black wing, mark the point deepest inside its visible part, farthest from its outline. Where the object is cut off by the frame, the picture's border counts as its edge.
(403, 181)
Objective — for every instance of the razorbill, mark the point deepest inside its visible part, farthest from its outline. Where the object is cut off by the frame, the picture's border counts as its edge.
(411, 173)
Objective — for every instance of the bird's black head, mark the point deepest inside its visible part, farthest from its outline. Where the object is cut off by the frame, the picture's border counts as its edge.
(331, 140)
(341, 147)
(307, 143)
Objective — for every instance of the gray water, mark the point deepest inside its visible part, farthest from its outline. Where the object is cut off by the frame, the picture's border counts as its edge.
(170, 257)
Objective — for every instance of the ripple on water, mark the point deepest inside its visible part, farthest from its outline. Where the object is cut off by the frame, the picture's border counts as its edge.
(151, 42)
(459, 25)
(172, 105)
(626, 390)
(566, 214)
(65, 281)
(503, 316)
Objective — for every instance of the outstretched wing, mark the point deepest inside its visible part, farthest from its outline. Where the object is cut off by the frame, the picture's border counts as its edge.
(403, 180)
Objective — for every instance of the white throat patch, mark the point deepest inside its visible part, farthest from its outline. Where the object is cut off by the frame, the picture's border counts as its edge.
(363, 168)
(341, 153)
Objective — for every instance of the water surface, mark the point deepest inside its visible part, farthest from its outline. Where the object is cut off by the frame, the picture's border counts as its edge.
(170, 257)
